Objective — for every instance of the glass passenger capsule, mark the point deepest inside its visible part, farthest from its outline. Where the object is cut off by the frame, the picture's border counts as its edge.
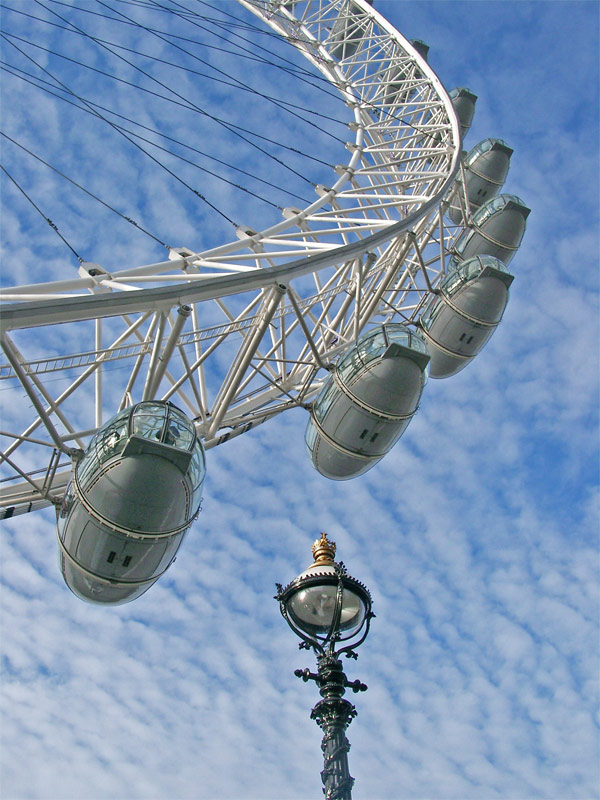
(131, 500)
(496, 229)
(459, 321)
(486, 167)
(347, 31)
(421, 47)
(368, 401)
(463, 101)
(402, 81)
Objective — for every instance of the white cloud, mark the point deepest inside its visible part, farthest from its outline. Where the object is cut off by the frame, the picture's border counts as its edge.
(477, 535)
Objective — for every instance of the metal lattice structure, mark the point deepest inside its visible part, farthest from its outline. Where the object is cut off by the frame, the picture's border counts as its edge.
(239, 333)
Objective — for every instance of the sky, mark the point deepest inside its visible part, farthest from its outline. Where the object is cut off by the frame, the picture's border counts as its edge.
(477, 535)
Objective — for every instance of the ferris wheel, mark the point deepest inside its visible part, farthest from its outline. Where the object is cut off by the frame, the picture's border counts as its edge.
(386, 255)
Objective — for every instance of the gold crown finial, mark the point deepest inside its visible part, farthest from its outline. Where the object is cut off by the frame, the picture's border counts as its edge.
(323, 550)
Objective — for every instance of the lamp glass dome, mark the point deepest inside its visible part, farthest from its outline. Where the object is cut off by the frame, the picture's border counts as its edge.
(313, 608)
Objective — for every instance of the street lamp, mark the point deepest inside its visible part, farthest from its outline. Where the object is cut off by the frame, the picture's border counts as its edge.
(331, 612)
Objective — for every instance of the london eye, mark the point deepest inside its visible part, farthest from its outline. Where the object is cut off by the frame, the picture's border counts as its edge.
(240, 332)
(219, 217)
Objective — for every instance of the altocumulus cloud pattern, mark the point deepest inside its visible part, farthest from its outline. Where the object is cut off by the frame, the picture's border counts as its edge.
(477, 534)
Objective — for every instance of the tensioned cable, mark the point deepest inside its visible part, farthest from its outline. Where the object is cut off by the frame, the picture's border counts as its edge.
(164, 149)
(41, 213)
(185, 104)
(240, 85)
(237, 83)
(324, 86)
(37, 81)
(284, 104)
(294, 69)
(83, 189)
(203, 169)
(234, 129)
(245, 53)
(233, 22)
(108, 122)
(390, 115)
(119, 128)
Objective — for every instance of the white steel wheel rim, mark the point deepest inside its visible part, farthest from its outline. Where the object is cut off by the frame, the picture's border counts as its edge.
(393, 184)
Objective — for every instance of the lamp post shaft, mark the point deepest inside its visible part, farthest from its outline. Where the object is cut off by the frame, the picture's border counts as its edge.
(333, 714)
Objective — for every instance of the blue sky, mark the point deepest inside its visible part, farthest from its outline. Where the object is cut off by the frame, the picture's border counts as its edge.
(477, 535)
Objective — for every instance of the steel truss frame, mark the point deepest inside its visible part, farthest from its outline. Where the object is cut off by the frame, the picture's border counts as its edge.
(239, 333)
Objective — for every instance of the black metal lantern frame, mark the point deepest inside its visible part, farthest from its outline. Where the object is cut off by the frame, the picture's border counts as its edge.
(326, 643)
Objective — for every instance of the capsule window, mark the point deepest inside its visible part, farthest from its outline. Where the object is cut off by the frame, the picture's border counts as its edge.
(371, 346)
(149, 427)
(452, 281)
(127, 561)
(363, 434)
(349, 365)
(310, 436)
(375, 435)
(112, 439)
(462, 337)
(179, 432)
(67, 502)
(111, 556)
(324, 401)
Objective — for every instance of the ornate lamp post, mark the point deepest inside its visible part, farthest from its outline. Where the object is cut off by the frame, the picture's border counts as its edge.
(331, 612)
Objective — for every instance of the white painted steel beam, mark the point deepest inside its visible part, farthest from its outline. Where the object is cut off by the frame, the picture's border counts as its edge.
(351, 239)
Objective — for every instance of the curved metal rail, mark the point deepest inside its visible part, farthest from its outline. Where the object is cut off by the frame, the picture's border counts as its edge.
(239, 333)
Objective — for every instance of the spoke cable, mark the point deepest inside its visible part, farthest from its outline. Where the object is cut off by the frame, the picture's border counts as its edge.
(37, 81)
(114, 127)
(91, 107)
(186, 104)
(83, 189)
(237, 84)
(389, 115)
(228, 126)
(39, 210)
(163, 34)
(242, 52)
(294, 69)
(138, 136)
